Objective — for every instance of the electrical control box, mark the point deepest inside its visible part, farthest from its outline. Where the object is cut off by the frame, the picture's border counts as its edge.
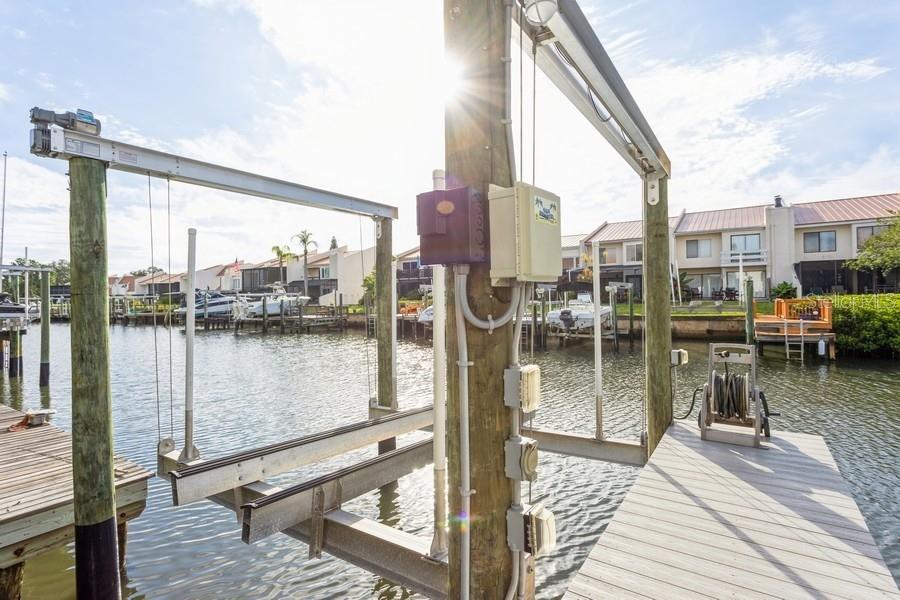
(521, 459)
(522, 387)
(452, 227)
(679, 357)
(525, 234)
(540, 530)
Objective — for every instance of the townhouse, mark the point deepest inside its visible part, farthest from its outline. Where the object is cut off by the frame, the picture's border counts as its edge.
(806, 244)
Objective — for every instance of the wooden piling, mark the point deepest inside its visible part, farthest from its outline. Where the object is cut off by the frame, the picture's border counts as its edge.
(385, 322)
(45, 330)
(96, 549)
(477, 155)
(614, 316)
(15, 353)
(265, 315)
(11, 581)
(749, 329)
(631, 315)
(281, 312)
(657, 311)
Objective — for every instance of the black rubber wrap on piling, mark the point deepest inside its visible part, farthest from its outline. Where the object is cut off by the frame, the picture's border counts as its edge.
(97, 567)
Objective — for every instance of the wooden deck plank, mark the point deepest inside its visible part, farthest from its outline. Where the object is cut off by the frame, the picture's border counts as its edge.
(713, 520)
(36, 504)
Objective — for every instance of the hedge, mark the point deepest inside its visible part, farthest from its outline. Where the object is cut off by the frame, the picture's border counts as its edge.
(867, 324)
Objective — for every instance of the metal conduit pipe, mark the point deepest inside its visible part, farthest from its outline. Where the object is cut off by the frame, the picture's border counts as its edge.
(507, 86)
(465, 483)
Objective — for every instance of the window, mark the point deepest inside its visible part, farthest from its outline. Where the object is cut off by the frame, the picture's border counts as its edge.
(236, 283)
(699, 248)
(324, 272)
(732, 281)
(819, 241)
(409, 265)
(748, 242)
(609, 256)
(864, 233)
(634, 252)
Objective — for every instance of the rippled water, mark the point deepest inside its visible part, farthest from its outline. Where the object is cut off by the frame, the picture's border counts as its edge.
(253, 390)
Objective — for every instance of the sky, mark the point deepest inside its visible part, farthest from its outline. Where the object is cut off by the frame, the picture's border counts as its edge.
(749, 100)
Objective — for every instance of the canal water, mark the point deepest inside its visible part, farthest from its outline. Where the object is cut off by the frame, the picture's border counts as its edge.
(253, 390)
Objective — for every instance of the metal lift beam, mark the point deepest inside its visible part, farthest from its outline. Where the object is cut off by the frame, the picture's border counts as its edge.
(68, 143)
(571, 29)
(276, 512)
(207, 478)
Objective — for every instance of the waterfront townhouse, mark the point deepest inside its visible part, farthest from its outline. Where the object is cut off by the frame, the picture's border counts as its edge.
(805, 244)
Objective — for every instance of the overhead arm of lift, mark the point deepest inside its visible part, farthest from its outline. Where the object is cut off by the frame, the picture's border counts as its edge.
(58, 142)
(573, 32)
(207, 478)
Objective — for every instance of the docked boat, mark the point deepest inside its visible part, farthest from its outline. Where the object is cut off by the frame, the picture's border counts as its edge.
(254, 308)
(10, 309)
(426, 317)
(209, 302)
(577, 317)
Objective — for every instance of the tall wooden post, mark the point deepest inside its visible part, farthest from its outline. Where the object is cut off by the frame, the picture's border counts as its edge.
(657, 308)
(96, 549)
(385, 324)
(749, 333)
(477, 155)
(11, 581)
(45, 329)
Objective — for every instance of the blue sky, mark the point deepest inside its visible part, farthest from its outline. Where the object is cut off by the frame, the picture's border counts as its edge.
(749, 99)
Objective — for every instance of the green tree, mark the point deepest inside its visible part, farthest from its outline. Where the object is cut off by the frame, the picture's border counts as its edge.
(369, 287)
(306, 241)
(785, 289)
(881, 252)
(333, 245)
(283, 253)
(60, 272)
(147, 271)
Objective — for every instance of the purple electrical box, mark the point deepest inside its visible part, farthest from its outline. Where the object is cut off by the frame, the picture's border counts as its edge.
(452, 227)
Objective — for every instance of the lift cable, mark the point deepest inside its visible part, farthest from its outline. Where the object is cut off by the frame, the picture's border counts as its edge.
(169, 268)
(362, 263)
(153, 308)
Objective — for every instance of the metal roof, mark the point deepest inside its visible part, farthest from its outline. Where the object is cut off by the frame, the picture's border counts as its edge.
(573, 240)
(621, 231)
(846, 209)
(745, 217)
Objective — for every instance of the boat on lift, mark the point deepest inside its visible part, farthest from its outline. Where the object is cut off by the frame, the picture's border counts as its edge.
(10, 309)
(426, 317)
(248, 308)
(578, 316)
(209, 302)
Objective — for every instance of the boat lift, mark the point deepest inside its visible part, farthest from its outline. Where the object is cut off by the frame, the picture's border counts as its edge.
(567, 50)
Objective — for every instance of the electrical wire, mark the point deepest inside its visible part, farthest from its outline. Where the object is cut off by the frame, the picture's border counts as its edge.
(169, 268)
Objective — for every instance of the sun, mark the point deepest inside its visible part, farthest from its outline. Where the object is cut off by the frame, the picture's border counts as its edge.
(451, 79)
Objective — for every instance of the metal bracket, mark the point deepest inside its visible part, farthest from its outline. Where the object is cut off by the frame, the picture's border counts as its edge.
(653, 188)
(317, 532)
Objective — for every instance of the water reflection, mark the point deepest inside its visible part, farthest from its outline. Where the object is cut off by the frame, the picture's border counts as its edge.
(317, 381)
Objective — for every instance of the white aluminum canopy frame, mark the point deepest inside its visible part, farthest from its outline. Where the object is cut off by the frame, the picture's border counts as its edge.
(66, 143)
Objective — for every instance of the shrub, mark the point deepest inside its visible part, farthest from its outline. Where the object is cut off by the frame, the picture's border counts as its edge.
(868, 324)
(784, 290)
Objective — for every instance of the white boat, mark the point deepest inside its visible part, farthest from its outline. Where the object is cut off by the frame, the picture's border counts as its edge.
(426, 317)
(247, 308)
(10, 309)
(211, 303)
(578, 316)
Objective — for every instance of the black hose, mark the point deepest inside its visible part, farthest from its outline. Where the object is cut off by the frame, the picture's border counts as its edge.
(693, 401)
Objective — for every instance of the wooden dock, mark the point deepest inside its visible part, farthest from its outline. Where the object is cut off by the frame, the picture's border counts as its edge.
(36, 506)
(710, 520)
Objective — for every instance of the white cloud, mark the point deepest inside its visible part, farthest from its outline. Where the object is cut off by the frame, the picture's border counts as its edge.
(4, 93)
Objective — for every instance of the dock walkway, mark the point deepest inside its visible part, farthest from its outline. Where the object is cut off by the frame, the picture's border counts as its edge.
(710, 520)
(36, 505)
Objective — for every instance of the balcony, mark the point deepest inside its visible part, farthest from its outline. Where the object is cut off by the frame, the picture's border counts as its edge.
(422, 273)
(732, 258)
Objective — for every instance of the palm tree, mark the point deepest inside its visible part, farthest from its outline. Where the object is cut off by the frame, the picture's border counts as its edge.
(304, 238)
(283, 253)
(333, 245)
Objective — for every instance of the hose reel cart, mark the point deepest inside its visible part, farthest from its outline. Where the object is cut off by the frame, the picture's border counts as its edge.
(732, 398)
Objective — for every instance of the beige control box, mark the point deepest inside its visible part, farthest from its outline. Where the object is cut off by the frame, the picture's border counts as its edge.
(525, 233)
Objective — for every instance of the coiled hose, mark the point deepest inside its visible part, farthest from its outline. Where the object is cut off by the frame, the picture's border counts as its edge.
(731, 395)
